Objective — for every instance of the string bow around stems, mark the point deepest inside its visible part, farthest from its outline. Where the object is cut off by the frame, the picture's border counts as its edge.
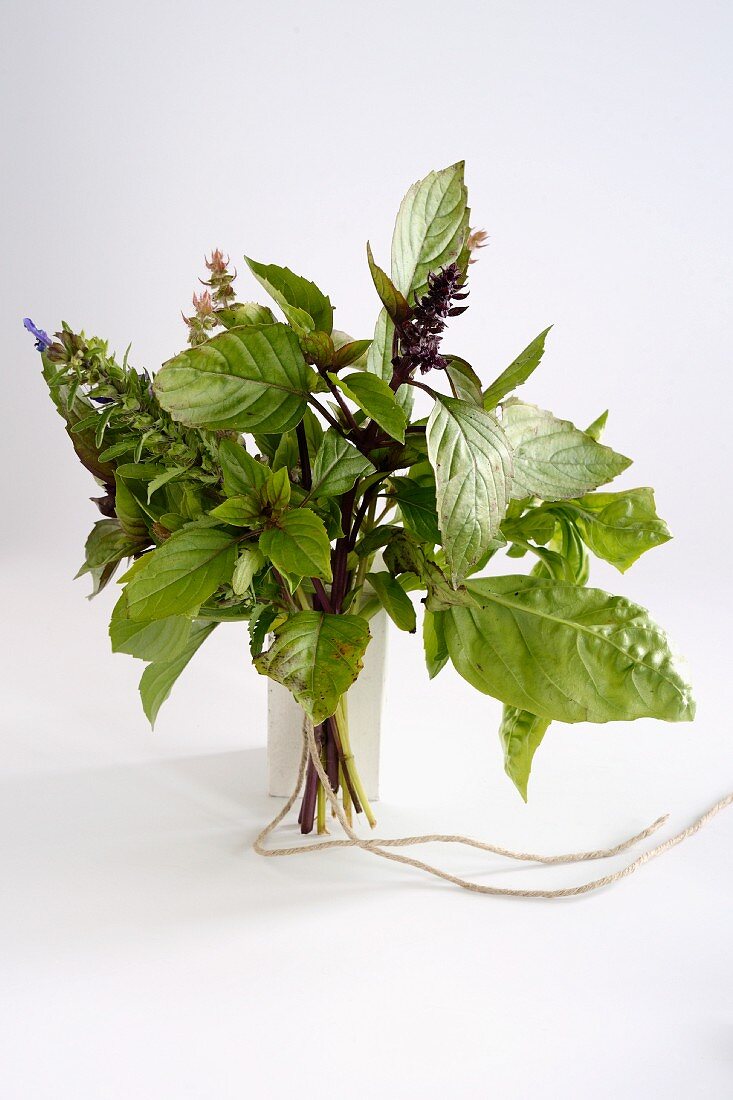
(379, 846)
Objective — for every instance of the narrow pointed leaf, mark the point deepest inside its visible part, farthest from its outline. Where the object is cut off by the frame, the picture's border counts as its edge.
(521, 734)
(159, 677)
(517, 372)
(394, 600)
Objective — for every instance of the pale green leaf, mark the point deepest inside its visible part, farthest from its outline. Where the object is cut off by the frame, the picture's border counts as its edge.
(247, 379)
(159, 677)
(464, 382)
(317, 657)
(472, 461)
(376, 399)
(619, 527)
(294, 294)
(248, 564)
(337, 465)
(521, 734)
(242, 473)
(182, 573)
(565, 652)
(157, 640)
(553, 459)
(431, 228)
(436, 652)
(297, 544)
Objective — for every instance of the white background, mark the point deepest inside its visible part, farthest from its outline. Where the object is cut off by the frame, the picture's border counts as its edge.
(146, 952)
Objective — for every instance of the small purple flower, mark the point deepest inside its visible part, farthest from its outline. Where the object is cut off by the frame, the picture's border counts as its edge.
(43, 340)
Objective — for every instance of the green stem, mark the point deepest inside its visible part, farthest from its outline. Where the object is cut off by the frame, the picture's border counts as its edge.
(343, 727)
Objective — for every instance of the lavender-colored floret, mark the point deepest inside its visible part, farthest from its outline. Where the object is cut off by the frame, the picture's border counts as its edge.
(43, 340)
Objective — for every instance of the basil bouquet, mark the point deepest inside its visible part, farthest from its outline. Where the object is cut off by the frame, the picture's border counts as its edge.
(340, 502)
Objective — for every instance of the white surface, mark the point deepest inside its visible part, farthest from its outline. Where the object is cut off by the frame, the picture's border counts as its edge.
(365, 702)
(146, 953)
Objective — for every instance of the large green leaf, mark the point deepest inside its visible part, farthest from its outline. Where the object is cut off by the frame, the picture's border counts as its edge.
(294, 294)
(248, 379)
(619, 527)
(297, 545)
(517, 372)
(317, 657)
(337, 466)
(394, 600)
(553, 459)
(182, 573)
(565, 652)
(160, 676)
(157, 640)
(473, 471)
(376, 399)
(431, 228)
(520, 733)
(430, 232)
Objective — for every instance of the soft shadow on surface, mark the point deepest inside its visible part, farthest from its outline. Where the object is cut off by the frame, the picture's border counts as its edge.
(104, 852)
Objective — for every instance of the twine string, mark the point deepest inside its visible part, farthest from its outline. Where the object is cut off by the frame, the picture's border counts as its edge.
(379, 846)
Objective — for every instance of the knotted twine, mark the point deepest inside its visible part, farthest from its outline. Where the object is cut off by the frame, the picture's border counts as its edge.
(378, 846)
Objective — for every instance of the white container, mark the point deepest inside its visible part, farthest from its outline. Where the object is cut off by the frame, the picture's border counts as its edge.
(365, 703)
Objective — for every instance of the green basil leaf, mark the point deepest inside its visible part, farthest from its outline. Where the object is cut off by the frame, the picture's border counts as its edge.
(394, 600)
(464, 382)
(619, 527)
(294, 294)
(431, 228)
(249, 562)
(317, 657)
(107, 543)
(182, 573)
(157, 640)
(553, 459)
(245, 313)
(595, 430)
(520, 733)
(337, 465)
(517, 372)
(298, 545)
(376, 399)
(472, 461)
(393, 301)
(436, 651)
(353, 351)
(418, 507)
(159, 677)
(248, 379)
(565, 652)
(244, 510)
(242, 473)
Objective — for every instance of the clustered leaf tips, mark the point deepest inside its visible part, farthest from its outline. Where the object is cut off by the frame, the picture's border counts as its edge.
(273, 472)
